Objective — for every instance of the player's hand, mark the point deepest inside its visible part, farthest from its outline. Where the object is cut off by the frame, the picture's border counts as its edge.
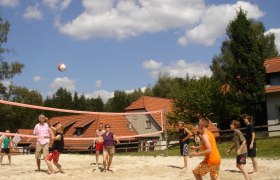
(193, 153)
(193, 147)
(251, 146)
(228, 151)
(238, 152)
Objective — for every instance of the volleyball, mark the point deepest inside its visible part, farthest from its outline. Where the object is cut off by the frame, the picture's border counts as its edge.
(61, 67)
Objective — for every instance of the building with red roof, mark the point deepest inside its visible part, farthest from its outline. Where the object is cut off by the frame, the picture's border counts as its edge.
(272, 90)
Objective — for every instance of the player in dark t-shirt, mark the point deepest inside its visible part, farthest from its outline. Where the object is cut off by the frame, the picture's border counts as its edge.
(57, 148)
(251, 143)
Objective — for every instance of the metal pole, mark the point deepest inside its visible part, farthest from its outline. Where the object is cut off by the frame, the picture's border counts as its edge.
(165, 131)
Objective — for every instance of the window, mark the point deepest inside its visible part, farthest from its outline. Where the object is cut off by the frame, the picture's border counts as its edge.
(78, 131)
(148, 124)
(275, 80)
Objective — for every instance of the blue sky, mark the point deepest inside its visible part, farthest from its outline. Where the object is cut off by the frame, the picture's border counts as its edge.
(110, 45)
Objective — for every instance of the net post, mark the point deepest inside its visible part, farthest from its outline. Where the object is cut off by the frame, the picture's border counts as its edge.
(165, 132)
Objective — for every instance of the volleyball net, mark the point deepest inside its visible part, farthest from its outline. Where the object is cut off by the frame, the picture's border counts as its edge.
(82, 125)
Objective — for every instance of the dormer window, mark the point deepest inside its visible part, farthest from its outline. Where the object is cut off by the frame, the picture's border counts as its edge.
(79, 131)
(148, 124)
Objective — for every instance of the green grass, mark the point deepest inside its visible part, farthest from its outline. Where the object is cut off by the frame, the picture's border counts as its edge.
(266, 148)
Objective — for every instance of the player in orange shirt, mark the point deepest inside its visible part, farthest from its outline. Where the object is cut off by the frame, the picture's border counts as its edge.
(212, 160)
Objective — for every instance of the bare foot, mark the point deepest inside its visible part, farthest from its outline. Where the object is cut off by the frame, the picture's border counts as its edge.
(62, 172)
(183, 170)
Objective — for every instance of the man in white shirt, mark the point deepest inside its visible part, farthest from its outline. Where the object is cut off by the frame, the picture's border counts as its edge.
(42, 146)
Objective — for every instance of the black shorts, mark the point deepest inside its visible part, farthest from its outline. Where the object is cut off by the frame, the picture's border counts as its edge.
(5, 150)
(252, 152)
(241, 159)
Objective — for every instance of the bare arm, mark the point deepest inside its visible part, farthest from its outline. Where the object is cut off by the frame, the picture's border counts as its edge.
(58, 137)
(196, 147)
(115, 138)
(52, 136)
(189, 134)
(208, 149)
(253, 139)
(241, 147)
(12, 145)
(228, 151)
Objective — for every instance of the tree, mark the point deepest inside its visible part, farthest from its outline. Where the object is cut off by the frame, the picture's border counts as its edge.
(118, 103)
(240, 64)
(96, 104)
(13, 117)
(194, 97)
(7, 70)
(165, 86)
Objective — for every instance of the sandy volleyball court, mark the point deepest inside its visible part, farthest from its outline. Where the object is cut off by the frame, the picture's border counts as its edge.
(128, 167)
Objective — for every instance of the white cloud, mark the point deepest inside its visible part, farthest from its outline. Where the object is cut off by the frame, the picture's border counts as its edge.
(214, 22)
(9, 3)
(37, 78)
(181, 68)
(277, 37)
(105, 95)
(132, 90)
(151, 64)
(98, 84)
(63, 82)
(122, 19)
(33, 12)
(57, 4)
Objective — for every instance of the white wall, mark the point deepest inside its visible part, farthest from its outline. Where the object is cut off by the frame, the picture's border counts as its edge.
(272, 105)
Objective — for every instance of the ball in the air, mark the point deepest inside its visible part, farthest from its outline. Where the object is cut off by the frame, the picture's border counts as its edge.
(61, 67)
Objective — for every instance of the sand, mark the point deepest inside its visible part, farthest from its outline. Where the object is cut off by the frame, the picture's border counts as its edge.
(129, 167)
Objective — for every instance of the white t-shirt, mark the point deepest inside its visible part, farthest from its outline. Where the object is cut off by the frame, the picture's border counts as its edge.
(43, 131)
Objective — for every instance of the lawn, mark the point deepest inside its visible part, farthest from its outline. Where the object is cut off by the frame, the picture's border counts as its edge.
(266, 147)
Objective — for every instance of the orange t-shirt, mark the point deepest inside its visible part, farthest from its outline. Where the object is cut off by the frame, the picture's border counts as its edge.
(214, 157)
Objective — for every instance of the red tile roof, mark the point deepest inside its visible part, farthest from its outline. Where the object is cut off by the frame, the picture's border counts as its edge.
(119, 126)
(272, 89)
(272, 65)
(155, 104)
(149, 103)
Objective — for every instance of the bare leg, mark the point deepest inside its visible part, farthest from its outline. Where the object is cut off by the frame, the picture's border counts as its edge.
(197, 177)
(110, 161)
(244, 171)
(97, 157)
(58, 167)
(1, 158)
(214, 178)
(38, 161)
(49, 164)
(105, 156)
(186, 161)
(9, 158)
(255, 165)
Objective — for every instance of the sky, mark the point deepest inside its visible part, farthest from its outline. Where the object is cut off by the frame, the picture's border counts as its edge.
(110, 45)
